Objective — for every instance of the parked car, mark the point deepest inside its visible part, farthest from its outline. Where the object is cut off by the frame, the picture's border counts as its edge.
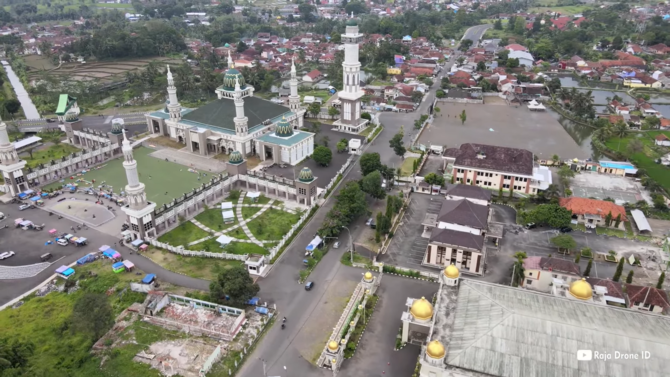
(369, 221)
(2, 215)
(309, 285)
(336, 245)
(61, 199)
(7, 254)
(373, 225)
(23, 207)
(531, 226)
(46, 257)
(565, 229)
(62, 242)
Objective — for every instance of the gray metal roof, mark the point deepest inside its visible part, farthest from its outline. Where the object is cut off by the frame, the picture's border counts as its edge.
(505, 331)
(640, 220)
(220, 113)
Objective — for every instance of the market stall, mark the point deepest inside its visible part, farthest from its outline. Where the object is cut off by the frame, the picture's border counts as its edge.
(65, 272)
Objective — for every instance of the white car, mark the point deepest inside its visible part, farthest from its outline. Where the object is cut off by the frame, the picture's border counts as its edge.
(62, 242)
(7, 254)
(336, 245)
(24, 207)
(2, 215)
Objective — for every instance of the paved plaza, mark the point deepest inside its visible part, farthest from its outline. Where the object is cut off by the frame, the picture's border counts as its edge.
(84, 211)
(164, 180)
(501, 125)
(600, 186)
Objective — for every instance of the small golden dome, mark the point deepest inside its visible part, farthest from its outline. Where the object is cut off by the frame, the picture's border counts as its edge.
(368, 275)
(581, 289)
(435, 349)
(332, 345)
(452, 272)
(421, 309)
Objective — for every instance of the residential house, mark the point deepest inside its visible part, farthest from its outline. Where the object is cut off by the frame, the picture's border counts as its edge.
(665, 123)
(648, 110)
(659, 49)
(663, 140)
(462, 77)
(457, 235)
(633, 49)
(612, 290)
(313, 76)
(516, 47)
(494, 167)
(525, 59)
(648, 299)
(541, 272)
(642, 81)
(562, 23)
(592, 212)
(475, 194)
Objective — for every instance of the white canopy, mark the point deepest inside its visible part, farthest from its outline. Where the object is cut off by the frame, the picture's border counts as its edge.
(228, 214)
(254, 194)
(640, 220)
(534, 105)
(227, 205)
(224, 240)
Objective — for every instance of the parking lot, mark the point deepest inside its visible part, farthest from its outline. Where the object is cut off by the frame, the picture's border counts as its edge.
(600, 186)
(408, 248)
(501, 125)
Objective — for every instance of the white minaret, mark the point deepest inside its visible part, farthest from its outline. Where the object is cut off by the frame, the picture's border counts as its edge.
(174, 108)
(230, 61)
(294, 98)
(351, 93)
(11, 166)
(140, 212)
(241, 126)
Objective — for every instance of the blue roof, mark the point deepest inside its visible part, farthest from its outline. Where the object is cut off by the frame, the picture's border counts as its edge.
(294, 139)
(149, 278)
(618, 165)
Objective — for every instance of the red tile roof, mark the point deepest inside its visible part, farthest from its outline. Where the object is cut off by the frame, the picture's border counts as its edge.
(516, 47)
(646, 295)
(661, 137)
(584, 206)
(314, 74)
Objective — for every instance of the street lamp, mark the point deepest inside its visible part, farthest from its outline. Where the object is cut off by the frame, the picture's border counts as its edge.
(351, 244)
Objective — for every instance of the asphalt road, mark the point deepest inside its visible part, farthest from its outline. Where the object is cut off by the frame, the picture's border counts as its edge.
(475, 33)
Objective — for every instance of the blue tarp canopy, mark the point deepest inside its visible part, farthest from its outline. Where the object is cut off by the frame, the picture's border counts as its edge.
(22, 195)
(137, 242)
(86, 259)
(149, 278)
(35, 198)
(253, 301)
(81, 240)
(118, 265)
(109, 253)
(261, 310)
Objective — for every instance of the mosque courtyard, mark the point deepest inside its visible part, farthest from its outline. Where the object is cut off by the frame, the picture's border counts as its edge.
(164, 180)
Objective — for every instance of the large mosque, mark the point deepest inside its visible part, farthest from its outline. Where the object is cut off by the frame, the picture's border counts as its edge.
(237, 121)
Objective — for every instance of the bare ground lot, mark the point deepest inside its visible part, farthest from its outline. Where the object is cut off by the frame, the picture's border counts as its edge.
(502, 125)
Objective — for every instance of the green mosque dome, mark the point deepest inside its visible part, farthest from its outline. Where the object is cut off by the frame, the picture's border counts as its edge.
(71, 117)
(284, 128)
(305, 175)
(352, 22)
(230, 77)
(236, 158)
(117, 128)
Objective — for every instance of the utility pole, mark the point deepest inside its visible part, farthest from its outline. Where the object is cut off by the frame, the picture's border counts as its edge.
(351, 245)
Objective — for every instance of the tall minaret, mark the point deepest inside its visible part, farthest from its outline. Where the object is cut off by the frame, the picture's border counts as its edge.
(351, 93)
(174, 108)
(11, 166)
(241, 121)
(294, 98)
(230, 61)
(137, 198)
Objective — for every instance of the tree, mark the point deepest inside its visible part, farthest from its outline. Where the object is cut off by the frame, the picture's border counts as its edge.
(396, 143)
(650, 123)
(314, 109)
(512, 63)
(578, 258)
(554, 84)
(322, 155)
(564, 242)
(355, 7)
(92, 315)
(372, 184)
(617, 43)
(661, 279)
(241, 47)
(608, 219)
(498, 24)
(555, 159)
(481, 66)
(342, 145)
(463, 117)
(333, 111)
(629, 278)
(552, 215)
(617, 221)
(551, 192)
(440, 93)
(465, 44)
(519, 273)
(12, 105)
(370, 162)
(588, 267)
(519, 25)
(434, 179)
(417, 97)
(444, 82)
(619, 269)
(233, 287)
(659, 202)
(635, 146)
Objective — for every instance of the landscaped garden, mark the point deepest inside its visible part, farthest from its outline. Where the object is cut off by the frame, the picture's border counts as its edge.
(260, 200)
(213, 219)
(199, 268)
(44, 156)
(272, 224)
(247, 212)
(240, 248)
(184, 234)
(646, 158)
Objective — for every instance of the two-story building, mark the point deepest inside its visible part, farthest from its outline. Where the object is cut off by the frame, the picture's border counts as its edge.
(648, 299)
(541, 273)
(593, 213)
(494, 167)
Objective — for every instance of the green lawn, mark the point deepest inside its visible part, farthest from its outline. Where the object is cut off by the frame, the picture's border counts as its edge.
(213, 219)
(247, 212)
(164, 180)
(44, 322)
(323, 94)
(54, 152)
(199, 268)
(183, 234)
(381, 83)
(233, 248)
(261, 200)
(645, 159)
(611, 232)
(273, 224)
(367, 130)
(564, 11)
(406, 167)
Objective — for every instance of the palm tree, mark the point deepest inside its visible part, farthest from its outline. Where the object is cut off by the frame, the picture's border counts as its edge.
(621, 129)
(519, 273)
(551, 192)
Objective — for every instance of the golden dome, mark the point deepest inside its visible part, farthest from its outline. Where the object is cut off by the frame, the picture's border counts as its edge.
(421, 309)
(368, 275)
(435, 349)
(332, 345)
(452, 272)
(581, 289)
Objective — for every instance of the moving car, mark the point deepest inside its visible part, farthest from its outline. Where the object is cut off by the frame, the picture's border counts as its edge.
(46, 257)
(7, 254)
(309, 285)
(566, 229)
(369, 222)
(62, 242)
(531, 226)
(24, 207)
(336, 245)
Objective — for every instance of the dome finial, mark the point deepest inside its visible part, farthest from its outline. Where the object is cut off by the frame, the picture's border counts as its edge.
(230, 61)
(169, 74)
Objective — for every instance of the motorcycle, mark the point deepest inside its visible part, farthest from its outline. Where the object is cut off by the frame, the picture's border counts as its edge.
(282, 326)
